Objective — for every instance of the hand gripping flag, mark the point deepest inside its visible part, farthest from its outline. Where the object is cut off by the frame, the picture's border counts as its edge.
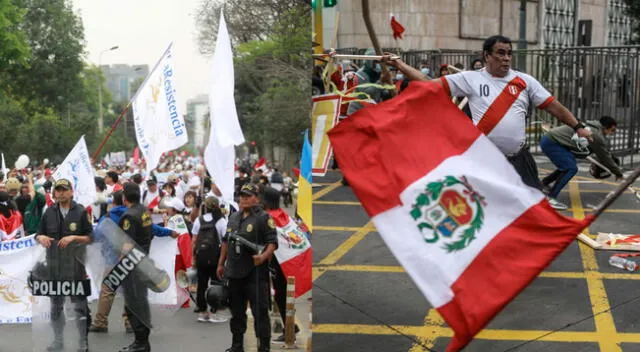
(294, 251)
(448, 204)
(397, 28)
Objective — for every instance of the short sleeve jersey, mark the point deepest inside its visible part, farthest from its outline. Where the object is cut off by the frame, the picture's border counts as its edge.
(502, 102)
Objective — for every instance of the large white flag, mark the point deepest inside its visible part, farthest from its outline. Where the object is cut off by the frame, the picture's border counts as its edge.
(219, 156)
(76, 168)
(156, 112)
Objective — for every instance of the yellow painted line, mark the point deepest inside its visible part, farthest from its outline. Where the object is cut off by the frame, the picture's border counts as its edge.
(600, 306)
(620, 211)
(545, 274)
(364, 268)
(487, 334)
(347, 245)
(595, 191)
(323, 192)
(331, 202)
(337, 228)
(430, 335)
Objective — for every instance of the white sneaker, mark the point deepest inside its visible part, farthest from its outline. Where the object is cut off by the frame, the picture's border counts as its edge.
(215, 318)
(203, 317)
(557, 205)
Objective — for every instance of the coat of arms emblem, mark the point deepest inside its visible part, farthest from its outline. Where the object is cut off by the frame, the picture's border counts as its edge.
(449, 210)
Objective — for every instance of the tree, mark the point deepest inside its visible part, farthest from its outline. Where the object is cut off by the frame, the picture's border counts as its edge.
(13, 45)
(56, 38)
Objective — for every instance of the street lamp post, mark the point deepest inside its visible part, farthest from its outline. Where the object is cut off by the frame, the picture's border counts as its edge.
(101, 117)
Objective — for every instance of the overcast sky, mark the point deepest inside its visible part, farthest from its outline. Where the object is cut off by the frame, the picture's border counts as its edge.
(143, 29)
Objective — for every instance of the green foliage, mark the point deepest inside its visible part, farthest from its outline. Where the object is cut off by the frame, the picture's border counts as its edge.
(13, 45)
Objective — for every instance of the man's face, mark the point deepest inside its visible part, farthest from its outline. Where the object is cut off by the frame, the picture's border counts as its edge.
(499, 59)
(108, 180)
(609, 131)
(13, 193)
(153, 188)
(247, 201)
(24, 190)
(62, 195)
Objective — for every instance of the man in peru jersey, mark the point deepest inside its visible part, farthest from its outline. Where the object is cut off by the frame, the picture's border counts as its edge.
(499, 98)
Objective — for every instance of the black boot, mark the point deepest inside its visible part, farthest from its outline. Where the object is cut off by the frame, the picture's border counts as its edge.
(137, 346)
(83, 345)
(236, 344)
(56, 345)
(265, 344)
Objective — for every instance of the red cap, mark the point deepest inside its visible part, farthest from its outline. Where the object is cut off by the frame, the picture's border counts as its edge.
(47, 172)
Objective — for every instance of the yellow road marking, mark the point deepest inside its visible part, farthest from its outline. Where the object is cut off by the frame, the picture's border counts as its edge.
(597, 294)
(432, 319)
(347, 245)
(487, 334)
(324, 191)
(545, 274)
(331, 202)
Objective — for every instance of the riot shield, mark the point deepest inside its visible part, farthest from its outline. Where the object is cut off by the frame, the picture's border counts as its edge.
(60, 286)
(144, 280)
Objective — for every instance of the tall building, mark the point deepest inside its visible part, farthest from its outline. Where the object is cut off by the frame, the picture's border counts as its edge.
(197, 115)
(464, 24)
(119, 78)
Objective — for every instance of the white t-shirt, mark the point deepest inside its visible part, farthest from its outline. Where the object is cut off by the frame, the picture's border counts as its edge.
(156, 218)
(221, 225)
(484, 90)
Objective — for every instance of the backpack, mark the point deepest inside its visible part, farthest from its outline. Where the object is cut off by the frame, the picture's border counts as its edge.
(207, 248)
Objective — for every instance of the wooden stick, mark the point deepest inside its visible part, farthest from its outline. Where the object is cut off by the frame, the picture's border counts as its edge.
(289, 326)
(372, 33)
(352, 57)
(113, 128)
(589, 241)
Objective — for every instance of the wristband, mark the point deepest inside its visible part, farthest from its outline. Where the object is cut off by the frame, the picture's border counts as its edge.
(578, 126)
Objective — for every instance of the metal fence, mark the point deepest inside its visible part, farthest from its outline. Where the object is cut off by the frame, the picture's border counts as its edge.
(590, 81)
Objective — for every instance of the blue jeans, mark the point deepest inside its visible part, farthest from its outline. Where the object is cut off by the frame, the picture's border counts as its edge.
(563, 159)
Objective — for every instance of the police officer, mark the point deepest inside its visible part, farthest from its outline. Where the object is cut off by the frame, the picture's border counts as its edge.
(248, 272)
(136, 222)
(64, 230)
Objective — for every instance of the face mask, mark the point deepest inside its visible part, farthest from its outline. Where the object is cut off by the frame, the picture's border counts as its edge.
(425, 71)
(399, 77)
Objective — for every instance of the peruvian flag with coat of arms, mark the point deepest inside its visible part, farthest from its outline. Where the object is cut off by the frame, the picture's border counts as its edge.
(449, 205)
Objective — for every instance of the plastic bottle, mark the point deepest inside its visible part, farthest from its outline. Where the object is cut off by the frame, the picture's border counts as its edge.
(623, 263)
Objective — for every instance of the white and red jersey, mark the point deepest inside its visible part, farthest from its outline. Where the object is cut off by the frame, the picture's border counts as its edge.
(152, 200)
(499, 105)
(11, 228)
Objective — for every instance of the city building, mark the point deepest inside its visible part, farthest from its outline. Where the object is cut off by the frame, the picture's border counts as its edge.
(464, 24)
(196, 120)
(119, 78)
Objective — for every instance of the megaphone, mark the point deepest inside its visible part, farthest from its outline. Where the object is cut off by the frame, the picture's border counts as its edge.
(184, 278)
(164, 202)
(255, 248)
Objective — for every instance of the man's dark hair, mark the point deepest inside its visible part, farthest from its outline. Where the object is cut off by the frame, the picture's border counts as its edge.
(487, 47)
(131, 192)
(100, 183)
(271, 198)
(113, 175)
(608, 122)
(117, 198)
(404, 85)
(137, 178)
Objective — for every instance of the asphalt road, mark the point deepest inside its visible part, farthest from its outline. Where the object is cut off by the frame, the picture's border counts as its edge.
(364, 301)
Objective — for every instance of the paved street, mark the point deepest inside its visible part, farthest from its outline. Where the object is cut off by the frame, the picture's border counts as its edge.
(365, 302)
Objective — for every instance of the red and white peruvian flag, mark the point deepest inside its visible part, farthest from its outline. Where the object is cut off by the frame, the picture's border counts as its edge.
(11, 228)
(261, 165)
(449, 205)
(294, 251)
(154, 202)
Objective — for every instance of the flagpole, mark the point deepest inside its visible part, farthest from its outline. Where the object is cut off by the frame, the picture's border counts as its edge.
(618, 191)
(113, 128)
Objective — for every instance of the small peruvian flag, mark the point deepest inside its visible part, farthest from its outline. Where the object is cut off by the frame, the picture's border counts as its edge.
(261, 165)
(396, 27)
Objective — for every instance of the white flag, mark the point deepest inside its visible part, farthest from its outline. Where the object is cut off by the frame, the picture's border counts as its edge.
(158, 120)
(4, 166)
(76, 168)
(219, 156)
